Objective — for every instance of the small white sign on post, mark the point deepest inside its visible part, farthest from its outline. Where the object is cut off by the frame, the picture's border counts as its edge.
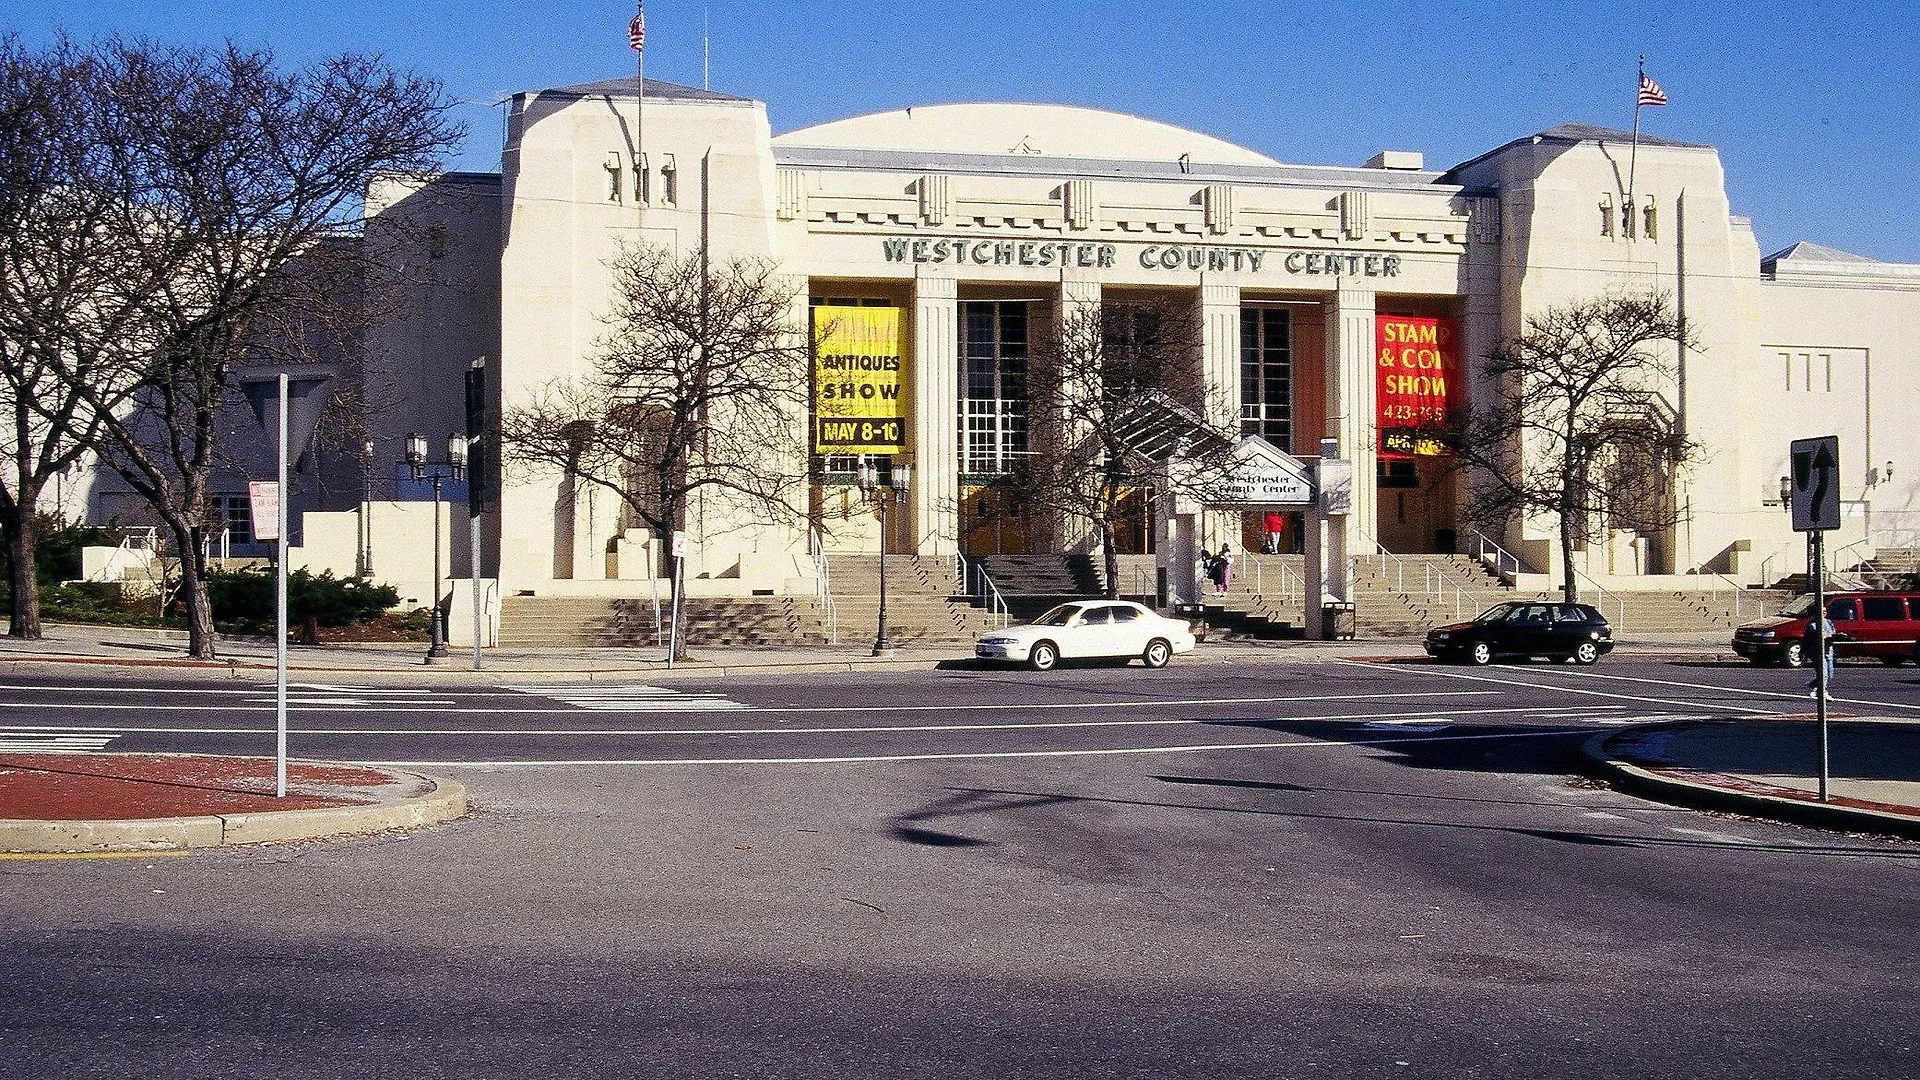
(264, 495)
(679, 542)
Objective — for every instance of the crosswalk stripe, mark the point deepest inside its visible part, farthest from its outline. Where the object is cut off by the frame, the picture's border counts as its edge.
(635, 698)
(19, 741)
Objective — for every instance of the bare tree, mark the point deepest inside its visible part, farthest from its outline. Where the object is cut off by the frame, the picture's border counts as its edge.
(238, 190)
(700, 387)
(1094, 382)
(1578, 425)
(66, 319)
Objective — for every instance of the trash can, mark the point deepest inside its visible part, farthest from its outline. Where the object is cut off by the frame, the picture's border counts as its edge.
(1196, 616)
(1336, 620)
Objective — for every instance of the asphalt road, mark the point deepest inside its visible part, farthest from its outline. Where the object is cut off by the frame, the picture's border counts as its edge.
(1332, 869)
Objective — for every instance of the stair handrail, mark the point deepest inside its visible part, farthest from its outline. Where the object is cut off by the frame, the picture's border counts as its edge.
(1380, 552)
(1258, 579)
(1438, 584)
(1834, 561)
(990, 598)
(1620, 602)
(1484, 545)
(1145, 584)
(1292, 585)
(823, 583)
(1767, 577)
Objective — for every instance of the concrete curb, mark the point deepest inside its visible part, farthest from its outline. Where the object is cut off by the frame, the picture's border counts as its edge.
(1661, 787)
(446, 802)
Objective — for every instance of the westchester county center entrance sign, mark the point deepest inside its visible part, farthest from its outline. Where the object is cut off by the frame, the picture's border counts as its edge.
(1262, 475)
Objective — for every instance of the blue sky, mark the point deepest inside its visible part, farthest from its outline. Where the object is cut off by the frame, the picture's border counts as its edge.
(1810, 105)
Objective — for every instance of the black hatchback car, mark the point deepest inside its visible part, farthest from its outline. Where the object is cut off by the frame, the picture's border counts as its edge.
(1573, 632)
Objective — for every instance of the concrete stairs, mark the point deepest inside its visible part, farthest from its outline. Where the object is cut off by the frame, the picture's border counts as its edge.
(1890, 568)
(1393, 598)
(923, 601)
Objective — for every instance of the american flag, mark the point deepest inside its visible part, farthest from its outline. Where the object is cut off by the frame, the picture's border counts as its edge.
(637, 32)
(1650, 92)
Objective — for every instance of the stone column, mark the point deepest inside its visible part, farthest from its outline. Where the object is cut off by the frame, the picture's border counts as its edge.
(1220, 365)
(1220, 353)
(1079, 298)
(1351, 407)
(935, 417)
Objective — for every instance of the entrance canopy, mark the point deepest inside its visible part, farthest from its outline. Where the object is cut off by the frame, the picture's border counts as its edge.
(1230, 472)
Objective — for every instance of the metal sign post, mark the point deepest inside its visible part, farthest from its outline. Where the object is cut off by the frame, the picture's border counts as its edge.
(287, 405)
(1815, 497)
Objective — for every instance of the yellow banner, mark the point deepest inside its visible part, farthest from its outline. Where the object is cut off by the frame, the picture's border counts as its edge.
(856, 381)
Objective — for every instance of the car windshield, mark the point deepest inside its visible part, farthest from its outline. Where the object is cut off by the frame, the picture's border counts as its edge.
(1800, 608)
(1497, 612)
(1059, 616)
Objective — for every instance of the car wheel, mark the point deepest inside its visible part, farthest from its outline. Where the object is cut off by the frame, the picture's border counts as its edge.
(1792, 654)
(1480, 654)
(1043, 656)
(1157, 653)
(1586, 653)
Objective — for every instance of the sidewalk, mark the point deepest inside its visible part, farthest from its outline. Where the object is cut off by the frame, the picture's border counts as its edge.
(144, 802)
(1769, 768)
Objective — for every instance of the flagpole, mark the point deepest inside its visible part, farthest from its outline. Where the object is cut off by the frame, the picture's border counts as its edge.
(1633, 155)
(641, 179)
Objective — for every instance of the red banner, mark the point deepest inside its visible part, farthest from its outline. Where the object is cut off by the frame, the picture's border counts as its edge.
(1418, 382)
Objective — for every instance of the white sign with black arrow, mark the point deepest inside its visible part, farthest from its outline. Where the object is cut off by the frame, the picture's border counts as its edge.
(1816, 484)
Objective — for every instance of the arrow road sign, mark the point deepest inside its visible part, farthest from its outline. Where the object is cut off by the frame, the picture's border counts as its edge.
(1816, 484)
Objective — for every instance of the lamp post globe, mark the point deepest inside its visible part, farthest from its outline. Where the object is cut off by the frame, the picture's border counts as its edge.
(436, 473)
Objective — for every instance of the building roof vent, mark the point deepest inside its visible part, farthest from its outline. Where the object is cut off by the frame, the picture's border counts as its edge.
(1401, 160)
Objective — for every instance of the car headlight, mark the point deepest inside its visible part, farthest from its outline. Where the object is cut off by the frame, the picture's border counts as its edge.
(1439, 635)
(996, 641)
(1766, 635)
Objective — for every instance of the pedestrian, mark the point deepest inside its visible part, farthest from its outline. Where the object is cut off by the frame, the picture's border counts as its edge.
(1825, 644)
(1271, 527)
(1223, 580)
(1205, 565)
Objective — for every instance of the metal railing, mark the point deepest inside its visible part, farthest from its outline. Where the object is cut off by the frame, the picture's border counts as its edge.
(1439, 586)
(975, 583)
(1837, 559)
(823, 584)
(1505, 564)
(1619, 602)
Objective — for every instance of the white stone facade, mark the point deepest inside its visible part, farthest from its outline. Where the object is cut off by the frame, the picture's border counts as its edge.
(938, 209)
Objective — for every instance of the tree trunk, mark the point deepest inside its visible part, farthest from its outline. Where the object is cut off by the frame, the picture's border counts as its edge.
(24, 621)
(1109, 558)
(193, 592)
(1569, 590)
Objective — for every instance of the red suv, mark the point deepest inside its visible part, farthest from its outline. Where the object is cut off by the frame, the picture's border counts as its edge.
(1878, 624)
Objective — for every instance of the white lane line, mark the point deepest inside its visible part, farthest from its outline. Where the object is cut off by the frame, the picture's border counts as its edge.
(1074, 706)
(54, 741)
(1559, 712)
(981, 756)
(636, 698)
(800, 709)
(1790, 695)
(1430, 672)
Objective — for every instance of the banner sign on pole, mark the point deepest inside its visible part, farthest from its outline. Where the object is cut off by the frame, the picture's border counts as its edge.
(1417, 382)
(856, 381)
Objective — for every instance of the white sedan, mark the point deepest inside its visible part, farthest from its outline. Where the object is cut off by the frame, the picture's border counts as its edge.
(1088, 629)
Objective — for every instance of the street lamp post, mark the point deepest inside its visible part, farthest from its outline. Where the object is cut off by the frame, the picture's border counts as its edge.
(899, 476)
(453, 468)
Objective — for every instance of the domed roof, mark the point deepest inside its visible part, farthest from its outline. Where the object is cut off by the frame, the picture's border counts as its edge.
(1022, 129)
